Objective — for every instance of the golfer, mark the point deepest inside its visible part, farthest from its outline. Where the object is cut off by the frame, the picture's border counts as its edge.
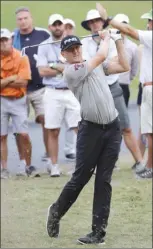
(94, 23)
(145, 38)
(99, 134)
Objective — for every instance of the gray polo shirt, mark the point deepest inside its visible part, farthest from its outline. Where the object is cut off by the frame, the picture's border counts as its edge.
(92, 91)
(50, 53)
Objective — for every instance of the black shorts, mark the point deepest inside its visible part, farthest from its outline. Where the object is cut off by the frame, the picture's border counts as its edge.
(139, 97)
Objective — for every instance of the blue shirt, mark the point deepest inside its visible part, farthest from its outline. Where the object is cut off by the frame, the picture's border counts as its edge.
(37, 36)
(50, 53)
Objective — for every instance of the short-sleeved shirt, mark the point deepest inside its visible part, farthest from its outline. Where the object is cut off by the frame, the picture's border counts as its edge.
(89, 49)
(92, 91)
(15, 64)
(145, 38)
(37, 36)
(50, 53)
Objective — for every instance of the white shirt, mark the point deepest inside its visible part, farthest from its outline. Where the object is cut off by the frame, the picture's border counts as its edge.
(132, 54)
(145, 38)
(89, 49)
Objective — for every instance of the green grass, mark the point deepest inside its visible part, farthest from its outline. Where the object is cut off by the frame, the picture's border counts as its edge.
(77, 11)
(25, 202)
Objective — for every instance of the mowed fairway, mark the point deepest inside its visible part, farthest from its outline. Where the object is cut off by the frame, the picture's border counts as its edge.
(24, 209)
(24, 202)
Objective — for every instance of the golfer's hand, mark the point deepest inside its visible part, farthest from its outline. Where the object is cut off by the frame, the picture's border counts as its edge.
(104, 35)
(102, 11)
(115, 34)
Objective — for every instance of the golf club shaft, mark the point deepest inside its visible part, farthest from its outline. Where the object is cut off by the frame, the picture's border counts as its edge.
(58, 41)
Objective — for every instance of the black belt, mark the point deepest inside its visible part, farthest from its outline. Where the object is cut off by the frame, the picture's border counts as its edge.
(61, 88)
(57, 88)
(103, 126)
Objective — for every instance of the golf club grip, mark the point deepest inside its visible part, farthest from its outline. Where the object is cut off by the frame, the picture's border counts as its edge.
(96, 35)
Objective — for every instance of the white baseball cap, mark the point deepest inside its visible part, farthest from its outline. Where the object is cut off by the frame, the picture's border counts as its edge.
(55, 17)
(121, 18)
(5, 33)
(91, 15)
(69, 21)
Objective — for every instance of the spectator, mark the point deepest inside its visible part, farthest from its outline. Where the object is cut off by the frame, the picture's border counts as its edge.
(94, 23)
(27, 35)
(142, 137)
(59, 101)
(145, 38)
(132, 53)
(15, 73)
(69, 26)
(142, 140)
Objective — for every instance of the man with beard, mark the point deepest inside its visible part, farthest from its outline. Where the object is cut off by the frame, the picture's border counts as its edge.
(59, 102)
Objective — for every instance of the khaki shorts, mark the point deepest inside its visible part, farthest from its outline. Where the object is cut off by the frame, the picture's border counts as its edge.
(35, 98)
(16, 109)
(61, 105)
(146, 110)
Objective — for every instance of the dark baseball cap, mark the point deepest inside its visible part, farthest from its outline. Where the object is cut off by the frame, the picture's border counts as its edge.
(69, 41)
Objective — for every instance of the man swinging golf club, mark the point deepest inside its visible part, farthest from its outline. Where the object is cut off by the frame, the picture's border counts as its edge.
(99, 134)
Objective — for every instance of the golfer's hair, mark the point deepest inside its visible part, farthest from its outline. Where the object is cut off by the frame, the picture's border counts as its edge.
(21, 9)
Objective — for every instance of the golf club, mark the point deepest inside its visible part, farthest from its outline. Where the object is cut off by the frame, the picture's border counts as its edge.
(58, 41)
(54, 42)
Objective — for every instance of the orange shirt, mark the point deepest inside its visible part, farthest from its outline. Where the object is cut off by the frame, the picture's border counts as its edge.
(15, 64)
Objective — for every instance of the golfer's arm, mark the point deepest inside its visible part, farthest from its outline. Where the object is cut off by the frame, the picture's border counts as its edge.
(121, 65)
(47, 71)
(100, 56)
(126, 29)
(19, 83)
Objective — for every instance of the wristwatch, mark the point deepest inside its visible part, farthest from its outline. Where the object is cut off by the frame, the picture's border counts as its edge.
(53, 65)
(106, 23)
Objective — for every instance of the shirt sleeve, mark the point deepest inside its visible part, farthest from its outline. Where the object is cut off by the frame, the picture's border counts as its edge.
(145, 37)
(24, 71)
(74, 74)
(41, 57)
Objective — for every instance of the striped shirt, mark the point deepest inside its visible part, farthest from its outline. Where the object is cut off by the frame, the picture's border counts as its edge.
(92, 91)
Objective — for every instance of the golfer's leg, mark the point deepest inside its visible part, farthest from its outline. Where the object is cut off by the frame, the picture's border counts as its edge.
(103, 189)
(88, 150)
